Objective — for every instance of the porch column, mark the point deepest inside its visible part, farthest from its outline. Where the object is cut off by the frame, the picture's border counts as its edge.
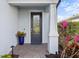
(53, 34)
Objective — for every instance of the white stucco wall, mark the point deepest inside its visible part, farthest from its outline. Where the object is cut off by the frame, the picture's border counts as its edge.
(8, 26)
(25, 22)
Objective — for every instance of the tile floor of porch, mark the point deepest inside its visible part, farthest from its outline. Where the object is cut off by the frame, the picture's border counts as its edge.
(31, 51)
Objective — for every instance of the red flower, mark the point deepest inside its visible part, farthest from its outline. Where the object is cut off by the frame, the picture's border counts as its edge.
(67, 39)
(76, 39)
(64, 24)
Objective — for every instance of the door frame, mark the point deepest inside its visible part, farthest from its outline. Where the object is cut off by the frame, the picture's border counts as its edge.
(40, 23)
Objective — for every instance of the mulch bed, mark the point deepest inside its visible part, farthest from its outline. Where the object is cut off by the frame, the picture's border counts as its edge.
(65, 53)
(52, 56)
(15, 56)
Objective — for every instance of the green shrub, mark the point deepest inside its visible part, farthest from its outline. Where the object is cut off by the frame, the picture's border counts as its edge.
(6, 56)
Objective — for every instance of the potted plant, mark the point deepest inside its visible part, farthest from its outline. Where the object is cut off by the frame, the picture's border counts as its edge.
(21, 36)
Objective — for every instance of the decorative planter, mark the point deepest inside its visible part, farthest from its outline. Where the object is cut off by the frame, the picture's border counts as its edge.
(21, 40)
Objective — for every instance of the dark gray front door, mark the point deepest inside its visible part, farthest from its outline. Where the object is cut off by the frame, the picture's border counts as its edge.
(36, 28)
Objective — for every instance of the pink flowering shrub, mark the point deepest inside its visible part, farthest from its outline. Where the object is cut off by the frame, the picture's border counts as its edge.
(76, 40)
(67, 39)
(67, 34)
(64, 24)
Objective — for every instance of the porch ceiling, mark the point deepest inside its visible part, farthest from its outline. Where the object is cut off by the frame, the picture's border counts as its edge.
(29, 4)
